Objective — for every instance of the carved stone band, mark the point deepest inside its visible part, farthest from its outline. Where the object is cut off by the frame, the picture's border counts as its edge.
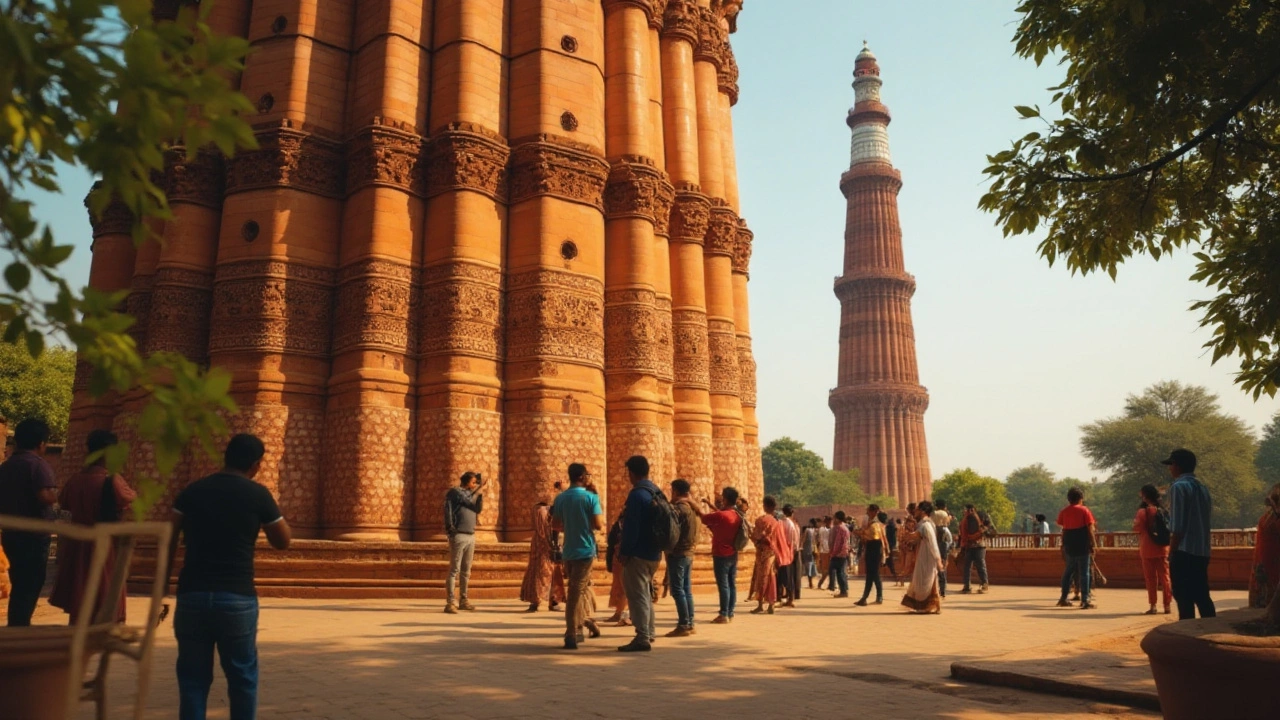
(637, 188)
(198, 181)
(690, 215)
(465, 156)
(722, 230)
(289, 158)
(742, 249)
(548, 165)
(388, 156)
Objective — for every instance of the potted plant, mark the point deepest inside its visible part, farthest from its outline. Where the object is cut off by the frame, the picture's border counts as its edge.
(117, 88)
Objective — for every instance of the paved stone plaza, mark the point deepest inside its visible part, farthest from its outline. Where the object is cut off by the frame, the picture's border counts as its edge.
(390, 660)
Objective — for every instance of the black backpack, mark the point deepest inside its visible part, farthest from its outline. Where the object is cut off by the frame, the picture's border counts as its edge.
(1158, 527)
(743, 538)
(666, 524)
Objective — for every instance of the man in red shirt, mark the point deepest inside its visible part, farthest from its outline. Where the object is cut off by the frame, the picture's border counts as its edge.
(724, 523)
(1078, 545)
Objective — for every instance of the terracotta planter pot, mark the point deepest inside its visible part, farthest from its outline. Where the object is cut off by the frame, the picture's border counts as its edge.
(34, 663)
(1206, 669)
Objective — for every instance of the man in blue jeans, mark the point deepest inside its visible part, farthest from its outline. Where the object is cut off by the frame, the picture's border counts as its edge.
(680, 559)
(724, 522)
(220, 517)
(1078, 545)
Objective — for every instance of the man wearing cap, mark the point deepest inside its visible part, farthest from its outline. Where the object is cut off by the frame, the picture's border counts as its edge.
(1189, 509)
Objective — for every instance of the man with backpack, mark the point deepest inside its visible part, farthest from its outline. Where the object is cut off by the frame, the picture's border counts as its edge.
(1152, 525)
(728, 538)
(680, 559)
(639, 552)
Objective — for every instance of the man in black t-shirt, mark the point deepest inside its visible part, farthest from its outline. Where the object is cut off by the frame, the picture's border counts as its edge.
(217, 606)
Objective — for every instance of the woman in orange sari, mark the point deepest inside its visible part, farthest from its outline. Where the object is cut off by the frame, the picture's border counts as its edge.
(765, 537)
(540, 576)
(1265, 579)
(908, 544)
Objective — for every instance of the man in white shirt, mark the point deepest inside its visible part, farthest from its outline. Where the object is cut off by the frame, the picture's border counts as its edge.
(824, 552)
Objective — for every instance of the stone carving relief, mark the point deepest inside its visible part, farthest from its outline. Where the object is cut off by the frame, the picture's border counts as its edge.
(547, 165)
(375, 307)
(387, 154)
(116, 219)
(742, 249)
(637, 188)
(631, 332)
(722, 230)
(462, 310)
(855, 287)
(689, 338)
(663, 341)
(690, 215)
(290, 158)
(722, 351)
(179, 319)
(746, 372)
(557, 314)
(682, 20)
(198, 180)
(271, 306)
(466, 156)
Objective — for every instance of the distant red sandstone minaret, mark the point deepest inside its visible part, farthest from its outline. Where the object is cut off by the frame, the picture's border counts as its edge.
(879, 403)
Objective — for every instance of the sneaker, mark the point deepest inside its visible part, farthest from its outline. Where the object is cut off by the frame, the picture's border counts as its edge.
(636, 645)
(466, 605)
(680, 631)
(720, 620)
(1064, 603)
(450, 610)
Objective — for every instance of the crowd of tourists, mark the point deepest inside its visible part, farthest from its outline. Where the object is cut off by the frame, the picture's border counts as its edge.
(221, 516)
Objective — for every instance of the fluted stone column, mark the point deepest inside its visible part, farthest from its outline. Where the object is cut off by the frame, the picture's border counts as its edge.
(278, 246)
(637, 351)
(368, 494)
(459, 391)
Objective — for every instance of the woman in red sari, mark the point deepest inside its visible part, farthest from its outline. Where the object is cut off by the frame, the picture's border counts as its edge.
(1265, 579)
(539, 576)
(92, 495)
(765, 535)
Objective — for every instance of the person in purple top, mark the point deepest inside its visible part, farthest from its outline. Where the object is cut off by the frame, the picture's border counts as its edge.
(28, 489)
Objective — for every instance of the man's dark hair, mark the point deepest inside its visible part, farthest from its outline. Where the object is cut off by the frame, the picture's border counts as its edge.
(788, 510)
(839, 516)
(1075, 495)
(911, 507)
(1040, 517)
(1151, 493)
(638, 465)
(730, 495)
(873, 508)
(100, 440)
(770, 503)
(925, 507)
(576, 472)
(30, 434)
(466, 478)
(968, 506)
(940, 504)
(243, 452)
(883, 517)
(681, 486)
(813, 522)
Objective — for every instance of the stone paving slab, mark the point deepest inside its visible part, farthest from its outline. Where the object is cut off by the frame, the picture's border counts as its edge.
(396, 659)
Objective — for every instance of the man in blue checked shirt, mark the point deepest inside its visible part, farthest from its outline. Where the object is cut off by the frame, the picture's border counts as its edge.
(1189, 509)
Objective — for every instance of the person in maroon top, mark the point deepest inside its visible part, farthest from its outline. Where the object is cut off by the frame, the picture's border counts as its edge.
(28, 489)
(724, 522)
(92, 495)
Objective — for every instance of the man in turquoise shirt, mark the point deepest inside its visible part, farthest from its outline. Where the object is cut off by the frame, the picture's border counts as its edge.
(576, 512)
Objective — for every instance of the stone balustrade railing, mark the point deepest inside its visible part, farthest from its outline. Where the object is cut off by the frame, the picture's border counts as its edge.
(1013, 541)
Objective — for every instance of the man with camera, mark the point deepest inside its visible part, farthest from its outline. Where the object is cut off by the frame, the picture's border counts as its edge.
(461, 506)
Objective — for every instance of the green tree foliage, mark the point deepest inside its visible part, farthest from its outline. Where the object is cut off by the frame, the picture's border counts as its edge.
(1268, 459)
(961, 487)
(37, 387)
(1033, 489)
(1165, 134)
(105, 86)
(1169, 415)
(832, 487)
(788, 463)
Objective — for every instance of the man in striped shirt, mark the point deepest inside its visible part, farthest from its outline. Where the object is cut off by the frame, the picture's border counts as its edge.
(1190, 507)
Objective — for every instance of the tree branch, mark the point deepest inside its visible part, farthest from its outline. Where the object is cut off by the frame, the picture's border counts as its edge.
(1216, 127)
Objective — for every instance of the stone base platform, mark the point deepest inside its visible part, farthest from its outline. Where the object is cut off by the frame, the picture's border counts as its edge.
(331, 569)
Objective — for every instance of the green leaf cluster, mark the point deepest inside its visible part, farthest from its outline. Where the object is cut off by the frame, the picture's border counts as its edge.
(1165, 134)
(104, 86)
(1171, 415)
(966, 486)
(796, 475)
(37, 387)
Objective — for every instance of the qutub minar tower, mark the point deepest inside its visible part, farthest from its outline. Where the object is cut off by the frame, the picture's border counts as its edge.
(878, 401)
(489, 235)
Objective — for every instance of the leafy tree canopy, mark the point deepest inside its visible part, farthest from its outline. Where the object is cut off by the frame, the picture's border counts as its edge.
(788, 463)
(106, 86)
(832, 487)
(37, 387)
(1268, 460)
(1170, 415)
(1033, 489)
(1165, 135)
(965, 486)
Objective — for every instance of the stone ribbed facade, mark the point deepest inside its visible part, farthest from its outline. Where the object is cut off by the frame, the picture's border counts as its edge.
(878, 402)
(490, 235)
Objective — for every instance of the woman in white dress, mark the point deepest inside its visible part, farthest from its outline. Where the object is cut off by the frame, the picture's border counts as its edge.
(922, 596)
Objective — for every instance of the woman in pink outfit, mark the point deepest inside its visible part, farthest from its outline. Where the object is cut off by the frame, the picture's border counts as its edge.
(1155, 558)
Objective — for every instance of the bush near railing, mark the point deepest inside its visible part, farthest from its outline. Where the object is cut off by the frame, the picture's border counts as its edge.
(1015, 541)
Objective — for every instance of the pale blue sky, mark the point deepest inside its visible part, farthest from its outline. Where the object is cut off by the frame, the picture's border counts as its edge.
(1016, 355)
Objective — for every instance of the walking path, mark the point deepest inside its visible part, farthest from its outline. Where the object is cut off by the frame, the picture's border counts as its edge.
(391, 660)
